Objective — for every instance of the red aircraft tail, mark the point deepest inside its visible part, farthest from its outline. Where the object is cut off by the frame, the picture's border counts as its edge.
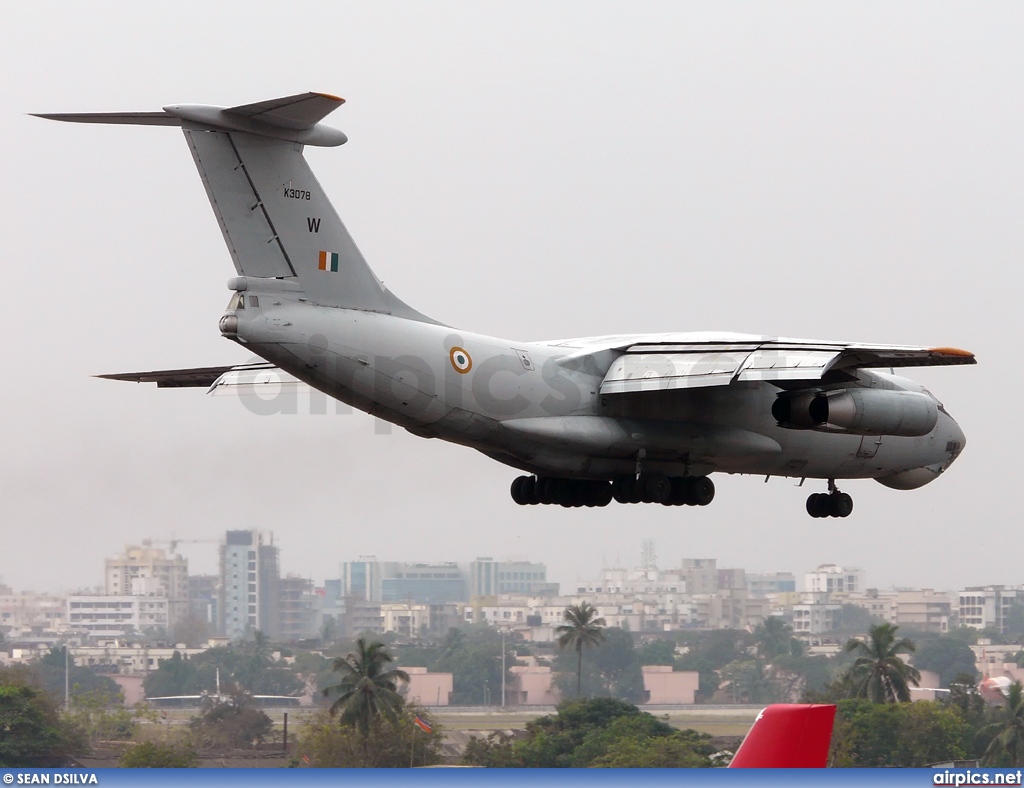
(788, 736)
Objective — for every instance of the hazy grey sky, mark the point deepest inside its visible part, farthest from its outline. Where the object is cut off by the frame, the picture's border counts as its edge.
(530, 170)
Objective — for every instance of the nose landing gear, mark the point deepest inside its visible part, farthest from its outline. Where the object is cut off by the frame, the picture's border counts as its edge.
(830, 504)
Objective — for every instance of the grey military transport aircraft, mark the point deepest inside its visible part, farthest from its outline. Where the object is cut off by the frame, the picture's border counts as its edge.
(632, 418)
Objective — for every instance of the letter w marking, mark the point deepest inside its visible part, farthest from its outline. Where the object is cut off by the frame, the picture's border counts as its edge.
(314, 224)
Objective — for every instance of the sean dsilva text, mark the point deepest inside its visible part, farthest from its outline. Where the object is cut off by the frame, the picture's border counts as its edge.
(57, 778)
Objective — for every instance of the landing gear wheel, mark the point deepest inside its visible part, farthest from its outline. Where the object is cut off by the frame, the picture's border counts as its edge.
(701, 492)
(517, 490)
(631, 490)
(656, 488)
(528, 491)
(841, 504)
(818, 505)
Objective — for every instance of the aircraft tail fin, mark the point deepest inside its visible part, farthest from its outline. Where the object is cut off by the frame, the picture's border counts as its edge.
(788, 736)
(276, 219)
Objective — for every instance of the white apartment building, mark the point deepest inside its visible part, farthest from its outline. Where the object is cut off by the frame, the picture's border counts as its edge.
(406, 619)
(834, 580)
(116, 616)
(814, 615)
(981, 607)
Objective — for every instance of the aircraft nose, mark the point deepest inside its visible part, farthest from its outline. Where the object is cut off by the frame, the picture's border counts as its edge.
(955, 440)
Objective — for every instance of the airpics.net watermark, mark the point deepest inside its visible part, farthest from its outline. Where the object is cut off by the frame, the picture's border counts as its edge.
(957, 777)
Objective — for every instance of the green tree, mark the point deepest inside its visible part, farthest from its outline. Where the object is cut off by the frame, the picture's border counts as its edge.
(709, 652)
(103, 717)
(679, 750)
(174, 676)
(619, 663)
(397, 743)
(658, 652)
(50, 671)
(366, 690)
(897, 734)
(582, 629)
(235, 722)
(879, 673)
(154, 755)
(773, 637)
(752, 682)
(595, 732)
(473, 656)
(1007, 747)
(947, 656)
(32, 733)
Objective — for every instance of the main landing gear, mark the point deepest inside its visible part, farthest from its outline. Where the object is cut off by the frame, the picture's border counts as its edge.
(830, 504)
(646, 488)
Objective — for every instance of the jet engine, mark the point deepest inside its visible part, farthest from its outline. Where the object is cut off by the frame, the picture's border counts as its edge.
(908, 414)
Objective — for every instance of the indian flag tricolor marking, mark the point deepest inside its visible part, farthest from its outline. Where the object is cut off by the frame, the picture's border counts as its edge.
(328, 261)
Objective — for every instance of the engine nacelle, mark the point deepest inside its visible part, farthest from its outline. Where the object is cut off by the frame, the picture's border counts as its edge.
(908, 414)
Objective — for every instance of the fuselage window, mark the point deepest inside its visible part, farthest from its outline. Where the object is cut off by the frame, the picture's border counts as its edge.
(254, 301)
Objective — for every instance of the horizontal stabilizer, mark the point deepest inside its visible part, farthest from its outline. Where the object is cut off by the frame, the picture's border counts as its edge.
(186, 378)
(291, 112)
(114, 118)
(293, 118)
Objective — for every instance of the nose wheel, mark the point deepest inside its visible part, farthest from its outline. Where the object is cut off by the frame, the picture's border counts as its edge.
(830, 504)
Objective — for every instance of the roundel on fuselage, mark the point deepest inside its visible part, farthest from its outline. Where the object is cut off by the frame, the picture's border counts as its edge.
(461, 360)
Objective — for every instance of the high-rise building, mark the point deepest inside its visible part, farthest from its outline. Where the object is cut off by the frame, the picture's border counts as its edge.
(149, 571)
(361, 579)
(300, 609)
(249, 580)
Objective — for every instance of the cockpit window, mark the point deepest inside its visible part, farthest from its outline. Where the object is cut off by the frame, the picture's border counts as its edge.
(254, 301)
(237, 301)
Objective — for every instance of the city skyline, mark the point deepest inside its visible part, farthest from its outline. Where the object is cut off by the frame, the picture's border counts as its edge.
(209, 566)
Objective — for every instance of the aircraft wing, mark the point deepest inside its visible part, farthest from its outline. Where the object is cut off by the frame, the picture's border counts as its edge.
(185, 378)
(673, 364)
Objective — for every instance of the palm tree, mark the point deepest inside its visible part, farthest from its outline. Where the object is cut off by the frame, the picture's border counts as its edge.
(1009, 740)
(366, 689)
(879, 673)
(581, 630)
